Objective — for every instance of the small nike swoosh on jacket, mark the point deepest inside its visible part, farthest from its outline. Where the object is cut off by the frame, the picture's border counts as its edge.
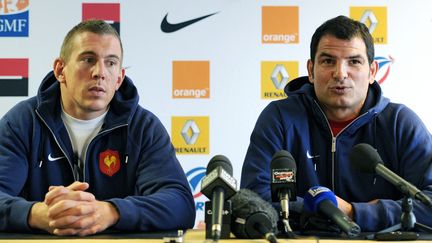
(169, 28)
(309, 156)
(50, 158)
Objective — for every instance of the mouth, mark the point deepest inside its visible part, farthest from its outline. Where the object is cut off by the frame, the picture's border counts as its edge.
(96, 90)
(340, 89)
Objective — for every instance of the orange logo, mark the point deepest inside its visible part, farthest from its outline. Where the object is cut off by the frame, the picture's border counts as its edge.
(13, 6)
(109, 162)
(280, 24)
(191, 79)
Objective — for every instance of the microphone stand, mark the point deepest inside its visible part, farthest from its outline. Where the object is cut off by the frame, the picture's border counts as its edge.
(408, 223)
(284, 215)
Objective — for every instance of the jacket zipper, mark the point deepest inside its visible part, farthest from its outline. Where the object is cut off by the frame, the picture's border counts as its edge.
(74, 173)
(333, 142)
(333, 147)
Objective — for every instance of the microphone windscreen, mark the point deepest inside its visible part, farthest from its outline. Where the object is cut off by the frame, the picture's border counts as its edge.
(315, 195)
(364, 158)
(283, 159)
(222, 161)
(249, 210)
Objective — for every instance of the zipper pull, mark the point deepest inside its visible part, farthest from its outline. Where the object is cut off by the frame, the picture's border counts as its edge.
(333, 148)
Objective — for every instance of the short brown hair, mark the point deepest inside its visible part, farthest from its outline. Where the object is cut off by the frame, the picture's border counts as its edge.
(99, 27)
(343, 28)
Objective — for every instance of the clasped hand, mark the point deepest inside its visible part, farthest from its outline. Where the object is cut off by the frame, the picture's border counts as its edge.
(72, 211)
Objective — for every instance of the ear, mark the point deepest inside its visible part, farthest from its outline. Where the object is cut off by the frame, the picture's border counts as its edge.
(120, 78)
(58, 69)
(373, 71)
(310, 67)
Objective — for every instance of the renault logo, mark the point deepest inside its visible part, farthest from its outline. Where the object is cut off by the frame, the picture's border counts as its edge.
(190, 127)
(279, 71)
(369, 15)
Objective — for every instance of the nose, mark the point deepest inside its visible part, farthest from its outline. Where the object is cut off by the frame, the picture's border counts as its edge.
(340, 73)
(99, 70)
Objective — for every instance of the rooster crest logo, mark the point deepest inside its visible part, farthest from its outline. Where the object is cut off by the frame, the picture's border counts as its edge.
(109, 162)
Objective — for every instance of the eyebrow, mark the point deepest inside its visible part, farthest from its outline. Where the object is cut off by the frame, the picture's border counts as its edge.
(332, 56)
(94, 54)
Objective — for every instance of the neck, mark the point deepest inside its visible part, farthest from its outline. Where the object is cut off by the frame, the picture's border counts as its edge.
(341, 114)
(81, 114)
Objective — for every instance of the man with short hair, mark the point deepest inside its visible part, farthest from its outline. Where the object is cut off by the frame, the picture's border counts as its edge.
(325, 114)
(82, 156)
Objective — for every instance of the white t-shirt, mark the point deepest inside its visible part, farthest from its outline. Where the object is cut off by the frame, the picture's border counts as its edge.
(81, 132)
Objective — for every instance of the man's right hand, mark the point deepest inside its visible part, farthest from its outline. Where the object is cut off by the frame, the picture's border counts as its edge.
(62, 207)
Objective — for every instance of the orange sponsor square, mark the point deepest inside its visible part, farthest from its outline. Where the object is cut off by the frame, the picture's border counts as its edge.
(280, 24)
(191, 79)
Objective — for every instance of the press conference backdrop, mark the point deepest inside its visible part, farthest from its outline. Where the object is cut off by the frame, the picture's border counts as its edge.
(208, 81)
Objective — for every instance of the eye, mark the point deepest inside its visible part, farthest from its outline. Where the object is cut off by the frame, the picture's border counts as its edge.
(88, 59)
(355, 62)
(327, 61)
(111, 63)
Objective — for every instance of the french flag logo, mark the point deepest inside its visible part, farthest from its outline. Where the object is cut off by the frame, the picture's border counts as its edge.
(14, 77)
(109, 12)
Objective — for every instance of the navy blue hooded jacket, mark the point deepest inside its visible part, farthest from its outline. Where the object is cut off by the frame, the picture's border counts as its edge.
(298, 124)
(148, 186)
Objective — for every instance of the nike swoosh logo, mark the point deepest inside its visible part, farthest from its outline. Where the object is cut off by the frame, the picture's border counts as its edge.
(168, 27)
(50, 158)
(309, 156)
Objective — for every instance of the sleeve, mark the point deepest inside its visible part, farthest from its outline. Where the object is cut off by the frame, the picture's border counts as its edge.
(413, 159)
(14, 210)
(163, 199)
(266, 138)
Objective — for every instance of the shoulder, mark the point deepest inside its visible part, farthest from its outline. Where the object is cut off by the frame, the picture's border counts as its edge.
(402, 119)
(22, 110)
(283, 115)
(290, 107)
(144, 119)
(399, 111)
(20, 119)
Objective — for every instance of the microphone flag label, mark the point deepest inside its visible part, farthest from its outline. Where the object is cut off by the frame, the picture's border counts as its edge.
(218, 177)
(314, 191)
(283, 175)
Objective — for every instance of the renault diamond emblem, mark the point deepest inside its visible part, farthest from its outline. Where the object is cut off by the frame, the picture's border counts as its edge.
(190, 126)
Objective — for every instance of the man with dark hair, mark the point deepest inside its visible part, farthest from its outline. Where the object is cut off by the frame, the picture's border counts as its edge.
(82, 156)
(325, 114)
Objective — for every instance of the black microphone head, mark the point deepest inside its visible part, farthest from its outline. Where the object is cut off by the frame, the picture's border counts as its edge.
(364, 158)
(283, 159)
(252, 216)
(283, 171)
(222, 161)
(219, 174)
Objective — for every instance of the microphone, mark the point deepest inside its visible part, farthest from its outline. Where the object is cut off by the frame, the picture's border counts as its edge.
(283, 180)
(218, 185)
(253, 218)
(366, 159)
(321, 199)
